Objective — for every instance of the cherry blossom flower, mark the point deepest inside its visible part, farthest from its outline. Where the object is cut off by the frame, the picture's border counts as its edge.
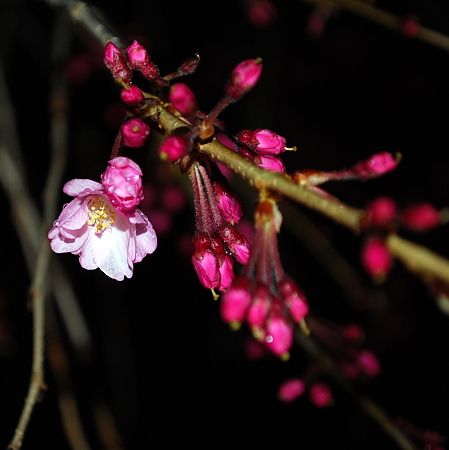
(90, 226)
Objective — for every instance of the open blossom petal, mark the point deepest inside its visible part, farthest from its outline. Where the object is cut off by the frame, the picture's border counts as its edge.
(89, 226)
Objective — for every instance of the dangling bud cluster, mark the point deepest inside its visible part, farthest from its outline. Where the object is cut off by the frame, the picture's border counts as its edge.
(264, 295)
(217, 244)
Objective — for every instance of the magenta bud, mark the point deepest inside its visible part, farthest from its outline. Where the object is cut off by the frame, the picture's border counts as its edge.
(235, 301)
(291, 389)
(135, 133)
(368, 362)
(382, 212)
(376, 258)
(244, 77)
(115, 61)
(228, 203)
(269, 162)
(268, 142)
(183, 99)
(236, 243)
(226, 269)
(376, 165)
(421, 217)
(139, 60)
(205, 261)
(122, 181)
(294, 298)
(132, 96)
(258, 311)
(173, 148)
(279, 336)
(320, 395)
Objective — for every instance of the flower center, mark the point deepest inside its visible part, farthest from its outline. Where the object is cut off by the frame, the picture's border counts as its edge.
(101, 213)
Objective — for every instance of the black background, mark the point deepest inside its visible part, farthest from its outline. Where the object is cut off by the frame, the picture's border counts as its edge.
(170, 371)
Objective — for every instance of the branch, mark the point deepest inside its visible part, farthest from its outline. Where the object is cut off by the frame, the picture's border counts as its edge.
(388, 20)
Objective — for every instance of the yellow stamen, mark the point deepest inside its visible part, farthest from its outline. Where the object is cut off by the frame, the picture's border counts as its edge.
(101, 213)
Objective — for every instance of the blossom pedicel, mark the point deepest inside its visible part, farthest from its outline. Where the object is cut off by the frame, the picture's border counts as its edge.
(93, 228)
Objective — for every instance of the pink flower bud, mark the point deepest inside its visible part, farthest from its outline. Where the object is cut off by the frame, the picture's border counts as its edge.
(115, 61)
(376, 258)
(139, 60)
(321, 395)
(268, 142)
(244, 77)
(135, 133)
(294, 299)
(173, 148)
(353, 333)
(205, 261)
(235, 301)
(189, 66)
(279, 336)
(226, 270)
(257, 312)
(382, 212)
(183, 99)
(368, 362)
(132, 96)
(376, 165)
(291, 389)
(421, 217)
(228, 203)
(236, 243)
(410, 26)
(122, 181)
(269, 162)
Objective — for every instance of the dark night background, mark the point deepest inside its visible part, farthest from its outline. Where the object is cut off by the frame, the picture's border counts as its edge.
(172, 374)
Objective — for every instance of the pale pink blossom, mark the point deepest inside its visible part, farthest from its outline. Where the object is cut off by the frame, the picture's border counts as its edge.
(90, 226)
(122, 182)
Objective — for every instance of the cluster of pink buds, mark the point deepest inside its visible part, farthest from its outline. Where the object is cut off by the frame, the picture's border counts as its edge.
(264, 295)
(262, 147)
(217, 244)
(383, 215)
(320, 394)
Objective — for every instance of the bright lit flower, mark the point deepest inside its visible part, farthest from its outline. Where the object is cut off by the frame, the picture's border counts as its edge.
(89, 226)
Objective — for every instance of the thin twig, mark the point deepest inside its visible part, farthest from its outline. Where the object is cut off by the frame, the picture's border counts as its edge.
(388, 20)
(371, 409)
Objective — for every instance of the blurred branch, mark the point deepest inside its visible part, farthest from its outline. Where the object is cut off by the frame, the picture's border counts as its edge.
(368, 406)
(387, 20)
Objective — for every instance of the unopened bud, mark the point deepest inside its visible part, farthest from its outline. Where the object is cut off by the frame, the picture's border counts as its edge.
(183, 99)
(139, 60)
(421, 217)
(173, 148)
(132, 96)
(382, 212)
(244, 77)
(376, 165)
(321, 395)
(135, 133)
(115, 61)
(291, 389)
(376, 258)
